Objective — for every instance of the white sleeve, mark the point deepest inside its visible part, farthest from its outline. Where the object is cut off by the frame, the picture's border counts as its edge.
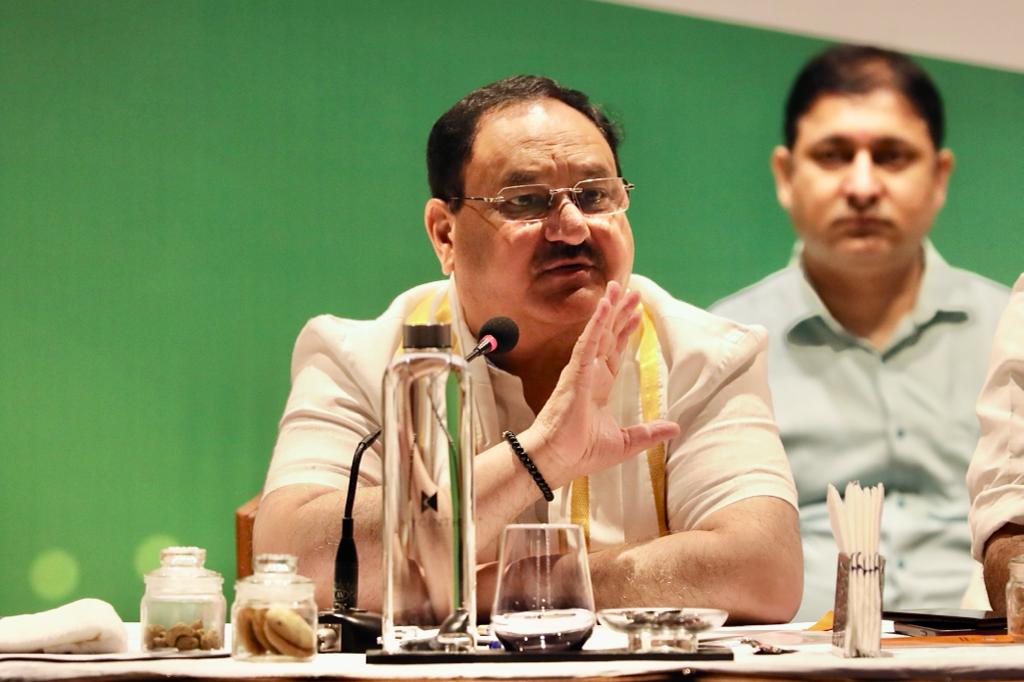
(335, 399)
(995, 478)
(729, 449)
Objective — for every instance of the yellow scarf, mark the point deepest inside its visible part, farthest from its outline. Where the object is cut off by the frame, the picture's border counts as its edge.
(648, 357)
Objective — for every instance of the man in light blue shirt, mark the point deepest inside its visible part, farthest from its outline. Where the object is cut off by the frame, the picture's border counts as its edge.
(877, 346)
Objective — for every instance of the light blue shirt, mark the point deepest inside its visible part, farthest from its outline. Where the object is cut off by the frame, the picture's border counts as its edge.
(903, 416)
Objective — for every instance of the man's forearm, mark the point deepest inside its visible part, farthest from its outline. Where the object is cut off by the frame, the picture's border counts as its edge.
(746, 559)
(1004, 544)
(305, 520)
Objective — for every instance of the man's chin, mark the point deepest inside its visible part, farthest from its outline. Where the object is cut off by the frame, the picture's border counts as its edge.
(870, 246)
(864, 252)
(569, 304)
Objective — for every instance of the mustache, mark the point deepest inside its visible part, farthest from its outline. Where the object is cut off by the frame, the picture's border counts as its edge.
(552, 252)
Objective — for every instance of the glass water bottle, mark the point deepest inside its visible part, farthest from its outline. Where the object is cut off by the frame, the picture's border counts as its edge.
(429, 531)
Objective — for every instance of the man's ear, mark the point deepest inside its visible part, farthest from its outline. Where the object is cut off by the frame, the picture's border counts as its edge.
(440, 223)
(944, 163)
(782, 169)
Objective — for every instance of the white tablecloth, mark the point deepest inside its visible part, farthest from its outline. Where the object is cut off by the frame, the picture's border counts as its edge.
(813, 658)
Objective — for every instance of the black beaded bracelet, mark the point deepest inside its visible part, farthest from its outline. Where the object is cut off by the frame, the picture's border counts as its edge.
(528, 463)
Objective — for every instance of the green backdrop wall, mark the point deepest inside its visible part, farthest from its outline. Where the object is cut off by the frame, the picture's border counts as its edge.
(183, 184)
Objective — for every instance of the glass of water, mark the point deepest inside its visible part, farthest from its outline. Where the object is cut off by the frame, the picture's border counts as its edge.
(544, 599)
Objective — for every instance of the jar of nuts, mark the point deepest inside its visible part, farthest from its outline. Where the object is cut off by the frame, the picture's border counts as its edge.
(274, 614)
(183, 607)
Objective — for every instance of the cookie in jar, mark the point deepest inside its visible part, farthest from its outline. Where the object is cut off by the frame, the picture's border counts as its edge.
(274, 616)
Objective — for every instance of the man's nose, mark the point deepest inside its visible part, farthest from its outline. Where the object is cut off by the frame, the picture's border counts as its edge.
(861, 185)
(565, 221)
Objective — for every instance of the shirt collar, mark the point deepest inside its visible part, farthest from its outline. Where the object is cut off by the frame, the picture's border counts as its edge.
(812, 324)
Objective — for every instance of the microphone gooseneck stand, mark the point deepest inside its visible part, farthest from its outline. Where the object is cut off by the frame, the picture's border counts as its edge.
(345, 628)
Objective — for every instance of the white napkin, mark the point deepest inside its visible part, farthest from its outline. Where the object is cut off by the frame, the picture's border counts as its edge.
(86, 626)
(857, 519)
(856, 524)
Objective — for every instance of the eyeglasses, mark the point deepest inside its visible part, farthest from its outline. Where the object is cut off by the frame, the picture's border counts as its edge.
(594, 197)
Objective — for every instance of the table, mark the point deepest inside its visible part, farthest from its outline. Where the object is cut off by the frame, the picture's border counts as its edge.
(812, 659)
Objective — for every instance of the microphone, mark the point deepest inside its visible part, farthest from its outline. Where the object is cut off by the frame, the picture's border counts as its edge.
(497, 335)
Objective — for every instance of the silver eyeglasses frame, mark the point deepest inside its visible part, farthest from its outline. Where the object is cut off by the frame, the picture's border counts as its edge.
(574, 193)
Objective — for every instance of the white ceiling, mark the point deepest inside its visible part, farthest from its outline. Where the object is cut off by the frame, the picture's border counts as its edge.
(985, 32)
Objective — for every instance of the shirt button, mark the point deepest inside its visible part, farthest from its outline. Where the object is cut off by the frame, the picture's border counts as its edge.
(900, 432)
(900, 563)
(900, 502)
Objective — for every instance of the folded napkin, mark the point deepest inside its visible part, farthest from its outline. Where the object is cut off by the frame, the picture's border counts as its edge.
(86, 626)
(856, 523)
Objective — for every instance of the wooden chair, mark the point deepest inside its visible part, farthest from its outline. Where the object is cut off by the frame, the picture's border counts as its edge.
(245, 517)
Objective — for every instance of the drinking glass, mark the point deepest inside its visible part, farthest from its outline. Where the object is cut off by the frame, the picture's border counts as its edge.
(544, 599)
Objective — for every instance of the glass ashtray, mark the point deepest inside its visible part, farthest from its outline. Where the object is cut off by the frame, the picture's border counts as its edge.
(662, 629)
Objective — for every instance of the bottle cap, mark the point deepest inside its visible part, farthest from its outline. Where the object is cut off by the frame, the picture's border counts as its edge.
(427, 336)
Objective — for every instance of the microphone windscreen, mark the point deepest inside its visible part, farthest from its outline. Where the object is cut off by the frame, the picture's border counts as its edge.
(505, 332)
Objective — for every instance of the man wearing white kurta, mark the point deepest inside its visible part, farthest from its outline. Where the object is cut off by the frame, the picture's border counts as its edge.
(996, 475)
(687, 498)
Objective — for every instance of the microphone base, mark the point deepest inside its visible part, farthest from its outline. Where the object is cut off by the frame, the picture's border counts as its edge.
(347, 631)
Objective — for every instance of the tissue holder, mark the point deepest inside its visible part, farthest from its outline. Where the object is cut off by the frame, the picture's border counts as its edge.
(857, 621)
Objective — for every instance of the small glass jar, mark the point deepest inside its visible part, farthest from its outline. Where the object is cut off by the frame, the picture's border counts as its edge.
(1015, 599)
(274, 614)
(183, 606)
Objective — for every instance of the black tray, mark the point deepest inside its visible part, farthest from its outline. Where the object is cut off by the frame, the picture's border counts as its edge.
(705, 653)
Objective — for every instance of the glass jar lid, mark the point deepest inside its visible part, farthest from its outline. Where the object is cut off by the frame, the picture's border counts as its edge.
(182, 570)
(275, 578)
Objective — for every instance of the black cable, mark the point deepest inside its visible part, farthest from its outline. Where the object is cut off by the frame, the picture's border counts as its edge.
(346, 559)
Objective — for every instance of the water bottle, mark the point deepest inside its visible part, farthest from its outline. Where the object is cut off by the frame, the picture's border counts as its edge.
(429, 529)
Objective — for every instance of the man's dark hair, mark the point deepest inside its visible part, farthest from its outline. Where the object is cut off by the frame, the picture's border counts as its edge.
(858, 70)
(451, 139)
